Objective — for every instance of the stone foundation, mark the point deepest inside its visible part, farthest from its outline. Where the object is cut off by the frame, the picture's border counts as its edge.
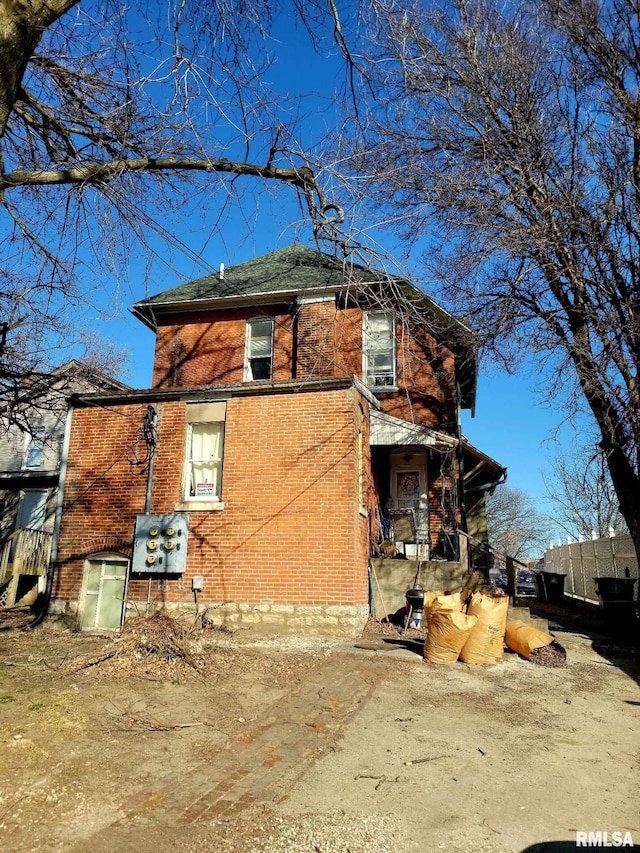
(260, 618)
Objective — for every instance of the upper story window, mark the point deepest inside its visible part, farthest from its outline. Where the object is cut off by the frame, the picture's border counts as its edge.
(379, 349)
(258, 362)
(34, 450)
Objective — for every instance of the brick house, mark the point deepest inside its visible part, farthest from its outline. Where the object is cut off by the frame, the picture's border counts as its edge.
(302, 410)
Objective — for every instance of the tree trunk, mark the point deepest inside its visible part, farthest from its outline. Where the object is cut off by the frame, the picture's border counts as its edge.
(22, 24)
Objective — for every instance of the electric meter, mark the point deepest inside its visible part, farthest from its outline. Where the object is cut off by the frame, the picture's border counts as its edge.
(160, 544)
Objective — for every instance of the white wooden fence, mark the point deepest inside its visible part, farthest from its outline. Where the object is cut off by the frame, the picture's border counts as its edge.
(581, 562)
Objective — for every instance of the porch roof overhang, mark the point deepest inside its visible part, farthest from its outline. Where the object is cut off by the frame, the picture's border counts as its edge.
(28, 479)
(481, 472)
(387, 430)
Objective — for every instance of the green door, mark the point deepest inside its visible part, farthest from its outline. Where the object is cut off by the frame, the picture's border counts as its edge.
(104, 594)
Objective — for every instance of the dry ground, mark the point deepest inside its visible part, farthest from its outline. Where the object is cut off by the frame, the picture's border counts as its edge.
(457, 757)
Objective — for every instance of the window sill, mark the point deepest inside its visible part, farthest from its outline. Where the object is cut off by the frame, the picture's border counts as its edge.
(383, 389)
(198, 506)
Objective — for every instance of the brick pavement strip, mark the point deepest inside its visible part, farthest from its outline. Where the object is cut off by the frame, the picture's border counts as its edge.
(264, 762)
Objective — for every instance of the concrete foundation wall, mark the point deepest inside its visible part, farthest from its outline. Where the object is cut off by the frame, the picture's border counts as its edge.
(392, 579)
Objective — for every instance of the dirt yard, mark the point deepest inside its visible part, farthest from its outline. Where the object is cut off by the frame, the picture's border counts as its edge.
(310, 747)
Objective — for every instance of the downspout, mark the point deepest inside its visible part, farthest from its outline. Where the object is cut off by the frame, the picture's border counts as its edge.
(64, 456)
(294, 343)
(460, 459)
(151, 437)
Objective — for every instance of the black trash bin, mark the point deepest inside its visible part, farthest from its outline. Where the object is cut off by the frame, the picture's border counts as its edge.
(619, 609)
(541, 592)
(554, 587)
(615, 589)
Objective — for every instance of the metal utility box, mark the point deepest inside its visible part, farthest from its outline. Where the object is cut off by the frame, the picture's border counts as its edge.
(160, 545)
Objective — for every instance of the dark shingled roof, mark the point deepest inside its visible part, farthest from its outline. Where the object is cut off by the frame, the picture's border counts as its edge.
(294, 268)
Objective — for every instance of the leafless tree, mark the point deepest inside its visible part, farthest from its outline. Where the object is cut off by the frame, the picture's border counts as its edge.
(514, 526)
(112, 117)
(508, 134)
(582, 496)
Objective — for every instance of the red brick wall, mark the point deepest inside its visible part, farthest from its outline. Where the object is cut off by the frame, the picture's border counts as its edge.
(104, 489)
(290, 532)
(316, 351)
(201, 349)
(444, 509)
(198, 349)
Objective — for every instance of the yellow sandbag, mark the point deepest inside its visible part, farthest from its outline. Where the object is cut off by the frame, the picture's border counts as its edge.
(523, 639)
(486, 639)
(448, 632)
(430, 598)
(441, 601)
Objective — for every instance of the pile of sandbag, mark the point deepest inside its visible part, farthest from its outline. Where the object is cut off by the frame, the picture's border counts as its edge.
(534, 645)
(469, 626)
(473, 627)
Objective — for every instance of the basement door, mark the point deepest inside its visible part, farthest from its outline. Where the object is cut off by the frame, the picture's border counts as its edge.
(105, 580)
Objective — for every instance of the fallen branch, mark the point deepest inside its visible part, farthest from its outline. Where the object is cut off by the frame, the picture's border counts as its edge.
(147, 726)
(95, 661)
(381, 779)
(424, 760)
(55, 668)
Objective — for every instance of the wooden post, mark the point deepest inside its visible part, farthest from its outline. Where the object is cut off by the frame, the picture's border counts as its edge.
(511, 579)
(17, 569)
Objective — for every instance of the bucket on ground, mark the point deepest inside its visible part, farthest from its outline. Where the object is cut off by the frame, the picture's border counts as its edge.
(415, 606)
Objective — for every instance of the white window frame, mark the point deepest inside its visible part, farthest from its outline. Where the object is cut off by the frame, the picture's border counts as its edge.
(215, 461)
(248, 372)
(370, 345)
(34, 440)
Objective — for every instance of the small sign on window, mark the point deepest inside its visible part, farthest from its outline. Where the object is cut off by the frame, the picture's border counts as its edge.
(205, 490)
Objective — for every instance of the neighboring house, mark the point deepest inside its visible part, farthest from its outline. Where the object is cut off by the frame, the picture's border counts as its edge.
(303, 410)
(32, 427)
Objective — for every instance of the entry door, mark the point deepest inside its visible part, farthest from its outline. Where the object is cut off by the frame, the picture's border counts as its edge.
(408, 480)
(104, 594)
